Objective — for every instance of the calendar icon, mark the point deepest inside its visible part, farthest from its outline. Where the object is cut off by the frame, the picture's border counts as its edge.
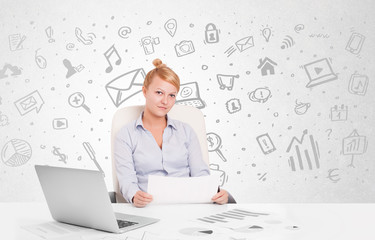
(339, 113)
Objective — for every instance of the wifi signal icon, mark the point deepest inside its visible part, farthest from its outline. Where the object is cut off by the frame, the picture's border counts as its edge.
(288, 42)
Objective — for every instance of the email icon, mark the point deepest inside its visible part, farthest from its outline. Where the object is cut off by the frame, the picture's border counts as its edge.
(29, 103)
(125, 86)
(245, 43)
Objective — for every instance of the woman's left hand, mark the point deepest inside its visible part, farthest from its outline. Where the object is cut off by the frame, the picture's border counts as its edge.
(221, 197)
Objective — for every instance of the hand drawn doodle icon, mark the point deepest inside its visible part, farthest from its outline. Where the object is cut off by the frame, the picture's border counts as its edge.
(16, 152)
(226, 81)
(30, 102)
(319, 72)
(354, 144)
(304, 150)
(189, 95)
(125, 86)
(214, 144)
(211, 33)
(358, 84)
(171, 27)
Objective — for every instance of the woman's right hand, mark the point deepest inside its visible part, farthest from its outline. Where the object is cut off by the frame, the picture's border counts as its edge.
(141, 199)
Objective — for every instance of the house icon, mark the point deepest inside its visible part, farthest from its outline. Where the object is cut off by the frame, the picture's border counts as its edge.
(267, 66)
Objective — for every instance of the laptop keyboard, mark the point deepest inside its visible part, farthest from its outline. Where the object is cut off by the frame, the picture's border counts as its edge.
(123, 223)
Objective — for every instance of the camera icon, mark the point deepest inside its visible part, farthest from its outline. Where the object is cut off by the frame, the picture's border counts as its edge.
(148, 44)
(184, 48)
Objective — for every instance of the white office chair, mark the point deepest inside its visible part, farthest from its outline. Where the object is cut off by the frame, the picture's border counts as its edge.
(187, 114)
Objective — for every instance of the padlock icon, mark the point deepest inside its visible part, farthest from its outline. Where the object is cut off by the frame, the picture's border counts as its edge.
(211, 33)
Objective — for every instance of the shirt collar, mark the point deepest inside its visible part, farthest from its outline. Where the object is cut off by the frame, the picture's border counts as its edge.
(170, 122)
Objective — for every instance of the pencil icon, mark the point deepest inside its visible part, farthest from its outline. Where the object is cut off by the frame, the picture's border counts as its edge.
(90, 151)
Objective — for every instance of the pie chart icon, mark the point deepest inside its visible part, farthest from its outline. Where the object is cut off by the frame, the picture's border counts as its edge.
(16, 152)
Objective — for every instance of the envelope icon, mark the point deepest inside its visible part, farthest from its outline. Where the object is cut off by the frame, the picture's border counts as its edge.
(28, 103)
(245, 43)
(125, 86)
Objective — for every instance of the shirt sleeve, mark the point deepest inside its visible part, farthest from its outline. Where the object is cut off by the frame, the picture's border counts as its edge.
(196, 163)
(125, 170)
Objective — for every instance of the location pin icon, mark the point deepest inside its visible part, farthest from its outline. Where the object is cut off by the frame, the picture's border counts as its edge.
(171, 26)
(266, 32)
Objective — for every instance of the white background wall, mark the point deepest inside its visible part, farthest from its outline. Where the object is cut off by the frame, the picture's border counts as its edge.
(319, 29)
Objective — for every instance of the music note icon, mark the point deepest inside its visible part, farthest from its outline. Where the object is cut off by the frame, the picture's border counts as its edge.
(358, 84)
(108, 54)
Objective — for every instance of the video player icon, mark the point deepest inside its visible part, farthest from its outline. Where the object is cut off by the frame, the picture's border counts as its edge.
(60, 123)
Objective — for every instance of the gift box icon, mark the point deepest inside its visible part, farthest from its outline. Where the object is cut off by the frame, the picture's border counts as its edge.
(125, 86)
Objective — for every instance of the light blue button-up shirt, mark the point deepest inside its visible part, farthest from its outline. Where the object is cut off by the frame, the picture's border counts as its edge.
(137, 155)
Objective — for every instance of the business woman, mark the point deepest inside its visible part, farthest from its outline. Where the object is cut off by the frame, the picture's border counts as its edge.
(156, 144)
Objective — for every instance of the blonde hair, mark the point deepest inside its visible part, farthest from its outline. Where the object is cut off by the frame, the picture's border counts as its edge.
(161, 70)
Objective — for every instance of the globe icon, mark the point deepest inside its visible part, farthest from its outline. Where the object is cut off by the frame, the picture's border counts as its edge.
(16, 152)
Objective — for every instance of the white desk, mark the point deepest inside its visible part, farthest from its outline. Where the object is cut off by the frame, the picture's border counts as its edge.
(315, 221)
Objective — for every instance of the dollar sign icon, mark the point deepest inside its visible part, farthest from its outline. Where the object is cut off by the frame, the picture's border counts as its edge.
(56, 152)
(211, 141)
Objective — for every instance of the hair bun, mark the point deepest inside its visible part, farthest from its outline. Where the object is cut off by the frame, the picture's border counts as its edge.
(158, 63)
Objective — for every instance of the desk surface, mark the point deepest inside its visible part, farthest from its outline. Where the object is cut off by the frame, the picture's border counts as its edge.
(285, 221)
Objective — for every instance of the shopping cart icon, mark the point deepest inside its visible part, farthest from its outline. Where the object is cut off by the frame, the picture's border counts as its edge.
(226, 81)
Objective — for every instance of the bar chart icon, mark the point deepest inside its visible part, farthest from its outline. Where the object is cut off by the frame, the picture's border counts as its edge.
(306, 152)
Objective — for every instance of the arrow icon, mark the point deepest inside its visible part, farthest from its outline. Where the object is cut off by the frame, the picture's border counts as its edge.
(318, 70)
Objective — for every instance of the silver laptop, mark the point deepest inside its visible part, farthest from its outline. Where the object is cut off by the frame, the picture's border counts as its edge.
(80, 197)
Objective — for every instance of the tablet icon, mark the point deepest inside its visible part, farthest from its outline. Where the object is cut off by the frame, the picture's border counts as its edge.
(355, 43)
(265, 143)
(358, 84)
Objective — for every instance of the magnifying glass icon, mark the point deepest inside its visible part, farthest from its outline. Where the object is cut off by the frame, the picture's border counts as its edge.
(77, 100)
(214, 143)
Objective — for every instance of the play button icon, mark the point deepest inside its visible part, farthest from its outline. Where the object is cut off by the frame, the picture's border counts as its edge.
(60, 123)
(318, 70)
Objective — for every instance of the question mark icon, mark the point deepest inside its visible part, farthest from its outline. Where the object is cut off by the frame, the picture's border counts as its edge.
(330, 131)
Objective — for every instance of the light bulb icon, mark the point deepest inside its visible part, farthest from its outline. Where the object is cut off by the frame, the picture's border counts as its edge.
(266, 32)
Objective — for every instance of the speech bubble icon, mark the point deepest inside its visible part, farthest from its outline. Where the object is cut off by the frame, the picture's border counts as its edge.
(29, 103)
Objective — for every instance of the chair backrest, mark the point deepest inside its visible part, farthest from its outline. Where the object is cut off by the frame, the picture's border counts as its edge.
(187, 114)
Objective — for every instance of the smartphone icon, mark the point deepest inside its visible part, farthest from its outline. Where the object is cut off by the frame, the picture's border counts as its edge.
(266, 143)
(355, 43)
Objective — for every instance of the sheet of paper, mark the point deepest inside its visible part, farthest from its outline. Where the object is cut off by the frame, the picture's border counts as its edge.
(182, 189)
(56, 230)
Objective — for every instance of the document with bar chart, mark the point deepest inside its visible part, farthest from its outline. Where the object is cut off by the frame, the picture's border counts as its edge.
(234, 218)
